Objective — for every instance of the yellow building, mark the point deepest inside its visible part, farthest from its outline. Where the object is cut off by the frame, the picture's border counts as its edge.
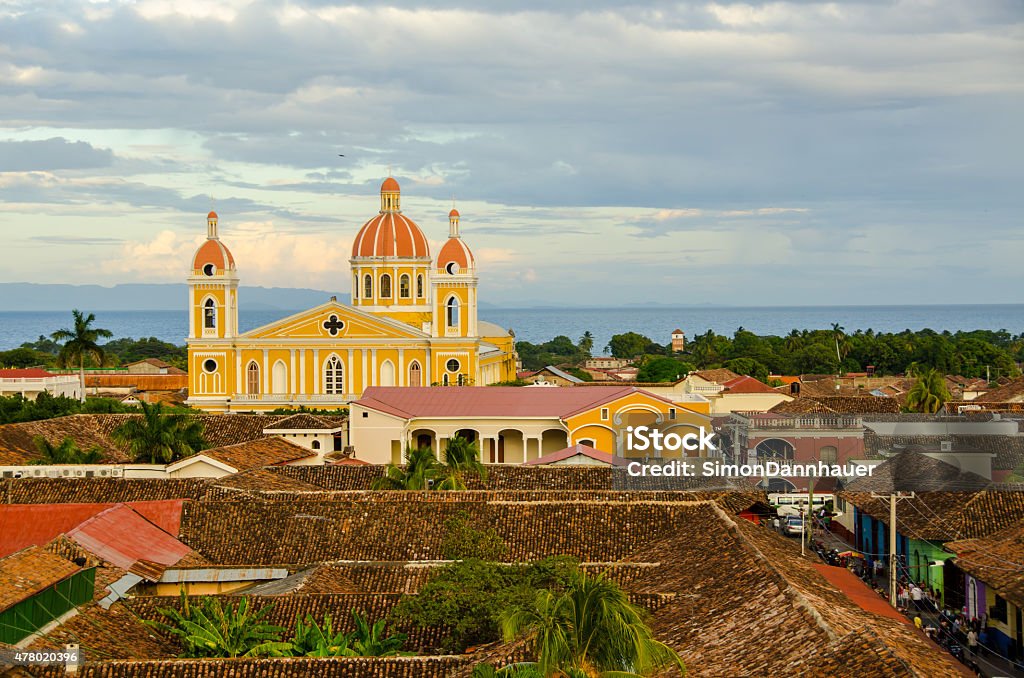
(412, 322)
(513, 425)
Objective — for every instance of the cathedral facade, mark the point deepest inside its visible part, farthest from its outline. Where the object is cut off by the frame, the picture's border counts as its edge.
(412, 321)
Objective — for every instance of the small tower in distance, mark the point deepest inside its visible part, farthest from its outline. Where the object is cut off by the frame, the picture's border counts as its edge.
(678, 341)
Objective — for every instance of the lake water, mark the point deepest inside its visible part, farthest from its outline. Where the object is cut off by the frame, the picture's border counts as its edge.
(538, 325)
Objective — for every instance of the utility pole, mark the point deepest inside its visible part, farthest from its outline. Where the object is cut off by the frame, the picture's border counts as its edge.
(893, 557)
(810, 506)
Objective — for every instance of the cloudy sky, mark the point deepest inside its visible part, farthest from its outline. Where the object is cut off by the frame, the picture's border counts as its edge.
(600, 153)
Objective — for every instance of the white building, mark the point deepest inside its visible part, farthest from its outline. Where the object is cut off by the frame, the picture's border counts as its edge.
(29, 383)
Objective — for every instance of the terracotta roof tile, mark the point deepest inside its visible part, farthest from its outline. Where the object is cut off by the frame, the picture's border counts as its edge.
(29, 571)
(257, 453)
(1007, 393)
(997, 560)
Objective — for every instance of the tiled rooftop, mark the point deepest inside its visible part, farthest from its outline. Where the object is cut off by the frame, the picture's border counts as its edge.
(29, 571)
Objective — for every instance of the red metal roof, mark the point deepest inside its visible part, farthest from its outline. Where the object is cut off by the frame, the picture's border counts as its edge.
(122, 536)
(29, 373)
(747, 385)
(491, 401)
(858, 591)
(577, 449)
(24, 525)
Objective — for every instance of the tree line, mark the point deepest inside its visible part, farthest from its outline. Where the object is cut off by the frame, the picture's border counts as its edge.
(978, 353)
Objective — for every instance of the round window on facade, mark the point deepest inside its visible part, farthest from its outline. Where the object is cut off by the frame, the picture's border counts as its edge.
(210, 365)
(209, 269)
(452, 365)
(452, 268)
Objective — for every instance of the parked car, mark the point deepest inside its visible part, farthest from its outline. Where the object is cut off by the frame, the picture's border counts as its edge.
(792, 525)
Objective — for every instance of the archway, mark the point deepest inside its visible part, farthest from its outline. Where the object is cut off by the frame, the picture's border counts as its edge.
(424, 437)
(553, 440)
(510, 446)
(774, 449)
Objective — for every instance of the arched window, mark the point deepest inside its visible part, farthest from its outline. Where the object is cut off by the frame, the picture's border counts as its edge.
(403, 286)
(252, 379)
(368, 287)
(444, 380)
(419, 286)
(210, 314)
(387, 373)
(316, 444)
(385, 286)
(355, 287)
(334, 376)
(415, 374)
(452, 312)
(279, 378)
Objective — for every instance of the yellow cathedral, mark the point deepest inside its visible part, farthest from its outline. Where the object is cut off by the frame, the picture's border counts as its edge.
(412, 321)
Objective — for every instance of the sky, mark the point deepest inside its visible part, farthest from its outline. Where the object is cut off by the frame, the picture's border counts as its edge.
(742, 153)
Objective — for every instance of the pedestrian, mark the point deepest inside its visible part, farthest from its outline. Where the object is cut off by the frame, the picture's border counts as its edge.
(972, 642)
(916, 594)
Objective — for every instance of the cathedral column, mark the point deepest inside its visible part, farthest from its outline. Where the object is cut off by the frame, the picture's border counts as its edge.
(363, 381)
(266, 371)
(350, 377)
(316, 371)
(238, 371)
(191, 311)
(402, 379)
(373, 367)
(302, 372)
(291, 371)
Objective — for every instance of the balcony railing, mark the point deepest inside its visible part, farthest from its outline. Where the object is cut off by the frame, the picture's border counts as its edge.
(759, 421)
(286, 398)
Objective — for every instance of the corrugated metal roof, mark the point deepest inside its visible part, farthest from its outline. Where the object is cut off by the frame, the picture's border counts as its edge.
(24, 525)
(488, 401)
(123, 537)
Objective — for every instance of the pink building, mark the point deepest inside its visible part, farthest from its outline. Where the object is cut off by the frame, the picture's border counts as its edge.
(757, 437)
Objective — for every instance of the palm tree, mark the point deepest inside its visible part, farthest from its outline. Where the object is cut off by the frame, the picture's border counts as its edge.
(586, 343)
(460, 458)
(209, 629)
(929, 392)
(80, 343)
(420, 472)
(590, 630)
(157, 437)
(794, 340)
(839, 334)
(67, 452)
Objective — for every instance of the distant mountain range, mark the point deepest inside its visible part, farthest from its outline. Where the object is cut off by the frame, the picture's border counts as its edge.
(167, 297)
(162, 297)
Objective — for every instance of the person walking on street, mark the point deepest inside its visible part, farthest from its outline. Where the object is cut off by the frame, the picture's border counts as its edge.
(972, 642)
(916, 594)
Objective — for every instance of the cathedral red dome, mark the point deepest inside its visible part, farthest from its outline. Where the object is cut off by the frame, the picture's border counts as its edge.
(456, 251)
(213, 252)
(390, 234)
(389, 185)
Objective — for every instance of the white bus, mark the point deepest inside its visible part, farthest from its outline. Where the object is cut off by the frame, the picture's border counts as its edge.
(795, 503)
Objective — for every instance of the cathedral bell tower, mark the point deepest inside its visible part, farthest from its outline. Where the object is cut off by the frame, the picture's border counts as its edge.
(454, 285)
(213, 289)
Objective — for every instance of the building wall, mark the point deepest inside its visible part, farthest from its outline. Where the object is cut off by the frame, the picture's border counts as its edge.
(30, 615)
(728, 403)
